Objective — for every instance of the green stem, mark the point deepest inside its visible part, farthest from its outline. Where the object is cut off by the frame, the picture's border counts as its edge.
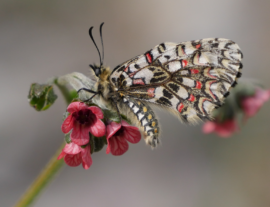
(42, 180)
(52, 167)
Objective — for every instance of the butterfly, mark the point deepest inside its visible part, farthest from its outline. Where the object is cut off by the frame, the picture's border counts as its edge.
(190, 79)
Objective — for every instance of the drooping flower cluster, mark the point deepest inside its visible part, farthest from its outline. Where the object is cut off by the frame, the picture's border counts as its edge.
(246, 100)
(84, 124)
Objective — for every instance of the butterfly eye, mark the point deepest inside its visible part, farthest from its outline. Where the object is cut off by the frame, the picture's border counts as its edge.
(96, 69)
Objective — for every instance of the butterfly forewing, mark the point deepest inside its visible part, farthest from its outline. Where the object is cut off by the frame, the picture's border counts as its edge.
(191, 78)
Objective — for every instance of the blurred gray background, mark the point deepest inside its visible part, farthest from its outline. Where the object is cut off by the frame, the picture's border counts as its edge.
(41, 39)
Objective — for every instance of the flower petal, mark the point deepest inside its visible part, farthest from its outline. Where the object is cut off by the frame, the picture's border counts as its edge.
(227, 128)
(76, 106)
(108, 149)
(73, 160)
(79, 134)
(62, 154)
(118, 145)
(112, 128)
(263, 95)
(209, 127)
(125, 124)
(98, 129)
(132, 135)
(72, 149)
(252, 104)
(86, 157)
(97, 111)
(67, 124)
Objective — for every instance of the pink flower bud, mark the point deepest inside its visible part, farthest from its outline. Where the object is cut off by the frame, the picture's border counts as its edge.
(252, 104)
(224, 129)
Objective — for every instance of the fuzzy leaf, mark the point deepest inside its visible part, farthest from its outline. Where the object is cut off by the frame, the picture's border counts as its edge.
(41, 96)
(77, 81)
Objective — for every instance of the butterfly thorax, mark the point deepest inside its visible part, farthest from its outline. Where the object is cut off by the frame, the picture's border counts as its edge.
(105, 88)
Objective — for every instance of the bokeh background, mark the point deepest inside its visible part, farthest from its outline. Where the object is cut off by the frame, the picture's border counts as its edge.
(42, 39)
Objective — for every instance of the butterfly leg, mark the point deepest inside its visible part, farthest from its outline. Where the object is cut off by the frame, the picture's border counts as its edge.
(90, 91)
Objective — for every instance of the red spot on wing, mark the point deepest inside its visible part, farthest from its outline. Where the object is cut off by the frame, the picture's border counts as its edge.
(184, 63)
(194, 71)
(183, 50)
(150, 92)
(198, 46)
(202, 109)
(198, 85)
(138, 82)
(180, 107)
(211, 90)
(210, 74)
(148, 57)
(126, 69)
(191, 98)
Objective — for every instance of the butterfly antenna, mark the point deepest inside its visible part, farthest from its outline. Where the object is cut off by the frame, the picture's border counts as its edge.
(100, 31)
(91, 35)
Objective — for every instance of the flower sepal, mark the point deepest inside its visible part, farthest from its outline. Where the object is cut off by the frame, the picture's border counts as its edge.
(67, 138)
(111, 115)
(97, 143)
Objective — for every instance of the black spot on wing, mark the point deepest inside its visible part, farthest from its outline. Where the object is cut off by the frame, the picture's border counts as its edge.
(158, 73)
(154, 80)
(167, 57)
(161, 48)
(174, 87)
(167, 94)
(226, 94)
(164, 101)
(234, 84)
(240, 65)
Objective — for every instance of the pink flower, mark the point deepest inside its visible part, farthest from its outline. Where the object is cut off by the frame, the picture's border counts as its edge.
(118, 135)
(252, 104)
(74, 155)
(224, 129)
(83, 119)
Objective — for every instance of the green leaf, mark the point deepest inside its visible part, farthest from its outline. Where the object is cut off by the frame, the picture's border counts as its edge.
(125, 118)
(111, 115)
(41, 96)
(67, 138)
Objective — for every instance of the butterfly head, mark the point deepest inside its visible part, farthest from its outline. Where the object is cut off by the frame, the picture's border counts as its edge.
(97, 69)
(101, 72)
